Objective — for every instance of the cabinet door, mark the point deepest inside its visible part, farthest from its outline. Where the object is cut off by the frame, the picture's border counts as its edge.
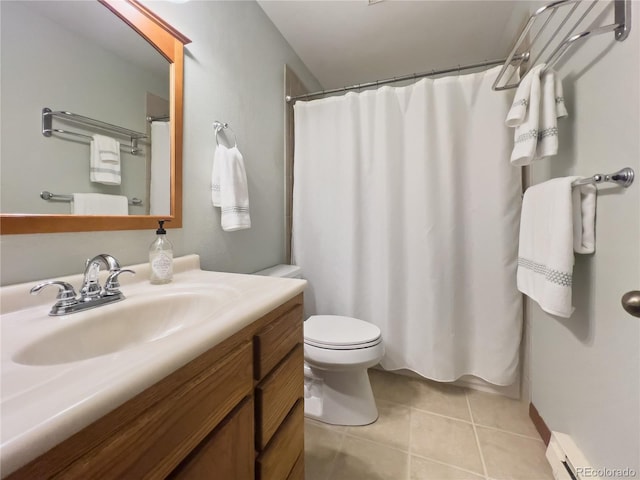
(227, 453)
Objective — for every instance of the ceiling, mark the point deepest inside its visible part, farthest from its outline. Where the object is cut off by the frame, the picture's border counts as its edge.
(346, 42)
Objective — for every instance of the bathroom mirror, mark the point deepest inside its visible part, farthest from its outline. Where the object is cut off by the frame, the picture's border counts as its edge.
(161, 96)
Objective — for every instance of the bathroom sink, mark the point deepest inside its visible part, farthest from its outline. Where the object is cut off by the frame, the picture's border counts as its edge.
(122, 326)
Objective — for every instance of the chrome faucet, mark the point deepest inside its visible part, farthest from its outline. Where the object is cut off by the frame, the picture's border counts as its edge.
(91, 293)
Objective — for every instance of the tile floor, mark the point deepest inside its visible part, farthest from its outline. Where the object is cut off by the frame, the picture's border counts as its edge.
(429, 431)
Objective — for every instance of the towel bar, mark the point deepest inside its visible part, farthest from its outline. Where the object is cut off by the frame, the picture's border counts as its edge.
(45, 195)
(219, 126)
(47, 128)
(623, 177)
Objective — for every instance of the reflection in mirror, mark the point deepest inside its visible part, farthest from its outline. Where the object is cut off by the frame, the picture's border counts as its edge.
(79, 57)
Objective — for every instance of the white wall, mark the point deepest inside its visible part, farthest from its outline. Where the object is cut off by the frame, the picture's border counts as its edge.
(586, 369)
(233, 73)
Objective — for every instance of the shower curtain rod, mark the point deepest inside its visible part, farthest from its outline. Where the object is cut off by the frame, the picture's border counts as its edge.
(523, 56)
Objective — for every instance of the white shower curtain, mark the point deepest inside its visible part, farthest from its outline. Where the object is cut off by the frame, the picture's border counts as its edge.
(405, 214)
(160, 189)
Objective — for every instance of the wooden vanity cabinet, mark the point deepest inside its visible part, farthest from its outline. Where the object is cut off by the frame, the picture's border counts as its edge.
(235, 412)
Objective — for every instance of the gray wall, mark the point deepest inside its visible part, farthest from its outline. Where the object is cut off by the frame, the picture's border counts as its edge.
(233, 73)
(82, 77)
(586, 369)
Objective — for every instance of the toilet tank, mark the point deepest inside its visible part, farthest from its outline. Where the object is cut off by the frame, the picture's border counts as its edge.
(282, 271)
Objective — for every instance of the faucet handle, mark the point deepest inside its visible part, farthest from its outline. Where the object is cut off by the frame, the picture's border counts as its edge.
(66, 293)
(112, 285)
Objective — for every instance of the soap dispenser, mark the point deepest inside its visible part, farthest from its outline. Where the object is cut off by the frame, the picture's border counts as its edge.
(161, 257)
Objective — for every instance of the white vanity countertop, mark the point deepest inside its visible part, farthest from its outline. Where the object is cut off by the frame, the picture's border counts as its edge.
(45, 404)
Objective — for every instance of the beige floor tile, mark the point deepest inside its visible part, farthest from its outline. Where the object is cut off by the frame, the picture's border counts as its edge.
(446, 440)
(391, 428)
(422, 469)
(391, 387)
(328, 426)
(361, 459)
(321, 446)
(512, 457)
(501, 412)
(426, 395)
(441, 398)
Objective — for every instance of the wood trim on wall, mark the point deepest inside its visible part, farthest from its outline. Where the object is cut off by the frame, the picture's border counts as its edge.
(539, 423)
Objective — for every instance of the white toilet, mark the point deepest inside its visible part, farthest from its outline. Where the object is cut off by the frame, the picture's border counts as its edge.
(337, 353)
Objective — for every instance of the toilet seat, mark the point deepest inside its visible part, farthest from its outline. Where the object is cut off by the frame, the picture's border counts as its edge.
(336, 332)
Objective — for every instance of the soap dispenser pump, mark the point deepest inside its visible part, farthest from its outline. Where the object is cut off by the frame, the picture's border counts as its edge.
(161, 257)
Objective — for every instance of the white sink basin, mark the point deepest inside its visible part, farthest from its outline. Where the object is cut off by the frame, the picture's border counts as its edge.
(123, 325)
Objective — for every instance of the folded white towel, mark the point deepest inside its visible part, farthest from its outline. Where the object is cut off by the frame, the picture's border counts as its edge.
(537, 105)
(584, 199)
(551, 108)
(99, 204)
(555, 222)
(105, 160)
(229, 189)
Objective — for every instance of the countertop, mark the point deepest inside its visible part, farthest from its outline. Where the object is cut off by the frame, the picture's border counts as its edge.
(43, 405)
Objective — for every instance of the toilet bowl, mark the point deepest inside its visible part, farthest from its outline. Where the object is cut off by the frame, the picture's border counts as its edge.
(338, 350)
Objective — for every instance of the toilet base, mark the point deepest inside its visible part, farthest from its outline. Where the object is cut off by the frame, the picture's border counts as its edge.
(339, 397)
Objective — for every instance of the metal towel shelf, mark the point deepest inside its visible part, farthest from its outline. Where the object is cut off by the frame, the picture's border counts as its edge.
(47, 128)
(621, 28)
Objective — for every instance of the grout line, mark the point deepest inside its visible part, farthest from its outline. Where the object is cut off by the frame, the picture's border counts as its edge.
(501, 430)
(376, 442)
(475, 433)
(457, 467)
(410, 444)
(442, 415)
(470, 422)
(343, 435)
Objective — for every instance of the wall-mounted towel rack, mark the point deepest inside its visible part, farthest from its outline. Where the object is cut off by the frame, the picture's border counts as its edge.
(47, 127)
(623, 177)
(545, 15)
(158, 119)
(55, 197)
(219, 126)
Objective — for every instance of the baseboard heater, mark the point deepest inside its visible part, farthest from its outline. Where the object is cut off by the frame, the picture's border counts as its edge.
(567, 461)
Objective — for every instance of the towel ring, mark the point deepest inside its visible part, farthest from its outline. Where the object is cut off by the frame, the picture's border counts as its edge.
(219, 126)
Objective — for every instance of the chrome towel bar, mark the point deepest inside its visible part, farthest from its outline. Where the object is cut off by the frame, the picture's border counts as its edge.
(45, 195)
(623, 177)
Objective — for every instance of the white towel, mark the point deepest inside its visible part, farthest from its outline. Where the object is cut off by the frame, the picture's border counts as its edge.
(105, 160)
(99, 204)
(537, 105)
(555, 222)
(229, 189)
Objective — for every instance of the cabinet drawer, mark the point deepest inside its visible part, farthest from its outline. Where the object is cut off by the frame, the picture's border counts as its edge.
(159, 439)
(297, 473)
(274, 341)
(277, 461)
(276, 394)
(227, 453)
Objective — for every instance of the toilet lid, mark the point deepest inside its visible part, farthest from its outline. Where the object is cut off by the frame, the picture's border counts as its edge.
(335, 331)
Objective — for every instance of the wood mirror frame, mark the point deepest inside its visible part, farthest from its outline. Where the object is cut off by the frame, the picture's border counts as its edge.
(169, 42)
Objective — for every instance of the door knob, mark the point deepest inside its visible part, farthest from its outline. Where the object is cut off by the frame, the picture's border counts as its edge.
(631, 302)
